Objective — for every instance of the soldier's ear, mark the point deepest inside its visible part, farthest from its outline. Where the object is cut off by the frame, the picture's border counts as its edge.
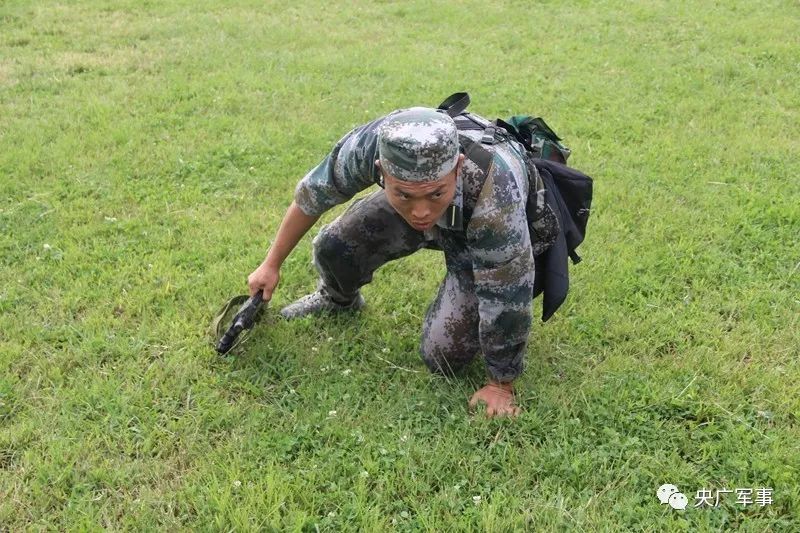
(381, 181)
(460, 164)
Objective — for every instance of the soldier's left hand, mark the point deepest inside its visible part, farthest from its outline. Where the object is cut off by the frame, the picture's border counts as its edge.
(499, 399)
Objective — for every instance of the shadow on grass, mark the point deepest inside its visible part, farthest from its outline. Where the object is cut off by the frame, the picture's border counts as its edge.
(345, 354)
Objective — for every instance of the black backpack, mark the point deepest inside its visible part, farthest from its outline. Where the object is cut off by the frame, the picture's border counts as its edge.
(559, 199)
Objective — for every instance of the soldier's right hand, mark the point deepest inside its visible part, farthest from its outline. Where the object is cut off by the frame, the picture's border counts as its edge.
(265, 278)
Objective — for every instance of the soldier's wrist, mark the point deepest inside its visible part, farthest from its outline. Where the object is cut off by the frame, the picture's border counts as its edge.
(271, 263)
(505, 385)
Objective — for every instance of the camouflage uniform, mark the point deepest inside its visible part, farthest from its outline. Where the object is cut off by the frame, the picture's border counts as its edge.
(484, 303)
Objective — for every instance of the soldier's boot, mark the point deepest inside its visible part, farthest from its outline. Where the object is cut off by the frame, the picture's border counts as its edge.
(320, 302)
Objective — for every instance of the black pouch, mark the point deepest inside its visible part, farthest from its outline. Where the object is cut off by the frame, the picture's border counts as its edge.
(543, 223)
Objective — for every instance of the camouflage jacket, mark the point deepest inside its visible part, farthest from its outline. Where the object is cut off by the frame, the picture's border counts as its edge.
(491, 239)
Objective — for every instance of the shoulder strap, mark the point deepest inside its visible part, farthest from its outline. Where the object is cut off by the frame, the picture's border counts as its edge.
(478, 153)
(455, 104)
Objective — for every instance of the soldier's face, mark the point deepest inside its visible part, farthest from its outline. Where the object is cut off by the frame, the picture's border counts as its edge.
(421, 204)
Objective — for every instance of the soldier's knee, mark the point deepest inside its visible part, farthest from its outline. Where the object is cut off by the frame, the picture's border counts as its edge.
(442, 360)
(327, 246)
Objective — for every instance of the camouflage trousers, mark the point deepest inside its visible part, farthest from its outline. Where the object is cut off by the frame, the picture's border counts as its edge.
(371, 233)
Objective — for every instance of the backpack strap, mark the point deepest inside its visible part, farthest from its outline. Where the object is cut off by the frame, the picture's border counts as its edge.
(493, 132)
(511, 130)
(455, 104)
(478, 153)
(468, 121)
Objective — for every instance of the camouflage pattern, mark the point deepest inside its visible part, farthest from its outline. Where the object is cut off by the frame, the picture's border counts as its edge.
(484, 303)
(418, 144)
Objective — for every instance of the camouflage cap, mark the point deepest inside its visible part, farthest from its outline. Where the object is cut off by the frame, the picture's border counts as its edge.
(418, 144)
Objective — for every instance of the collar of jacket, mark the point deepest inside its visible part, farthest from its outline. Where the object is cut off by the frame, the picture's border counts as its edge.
(453, 217)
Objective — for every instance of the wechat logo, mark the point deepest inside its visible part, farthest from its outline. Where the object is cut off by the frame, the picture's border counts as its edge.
(669, 494)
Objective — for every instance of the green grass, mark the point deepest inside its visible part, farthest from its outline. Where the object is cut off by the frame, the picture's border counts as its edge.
(148, 152)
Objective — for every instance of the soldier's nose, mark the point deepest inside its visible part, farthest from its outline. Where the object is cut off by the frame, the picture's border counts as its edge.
(420, 213)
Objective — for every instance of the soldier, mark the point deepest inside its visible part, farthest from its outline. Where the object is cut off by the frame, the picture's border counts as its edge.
(434, 195)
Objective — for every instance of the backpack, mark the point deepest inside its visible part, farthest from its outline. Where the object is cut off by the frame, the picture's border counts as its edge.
(559, 199)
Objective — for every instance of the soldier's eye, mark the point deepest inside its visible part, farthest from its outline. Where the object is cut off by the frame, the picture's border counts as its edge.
(437, 195)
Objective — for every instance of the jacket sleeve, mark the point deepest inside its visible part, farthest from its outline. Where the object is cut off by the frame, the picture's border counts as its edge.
(348, 169)
(503, 269)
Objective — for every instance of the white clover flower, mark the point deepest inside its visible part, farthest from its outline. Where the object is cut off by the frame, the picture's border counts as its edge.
(385, 350)
(476, 500)
(332, 413)
(346, 372)
(237, 484)
(46, 246)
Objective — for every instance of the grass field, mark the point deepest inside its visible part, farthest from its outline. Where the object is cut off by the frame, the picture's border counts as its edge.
(148, 151)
